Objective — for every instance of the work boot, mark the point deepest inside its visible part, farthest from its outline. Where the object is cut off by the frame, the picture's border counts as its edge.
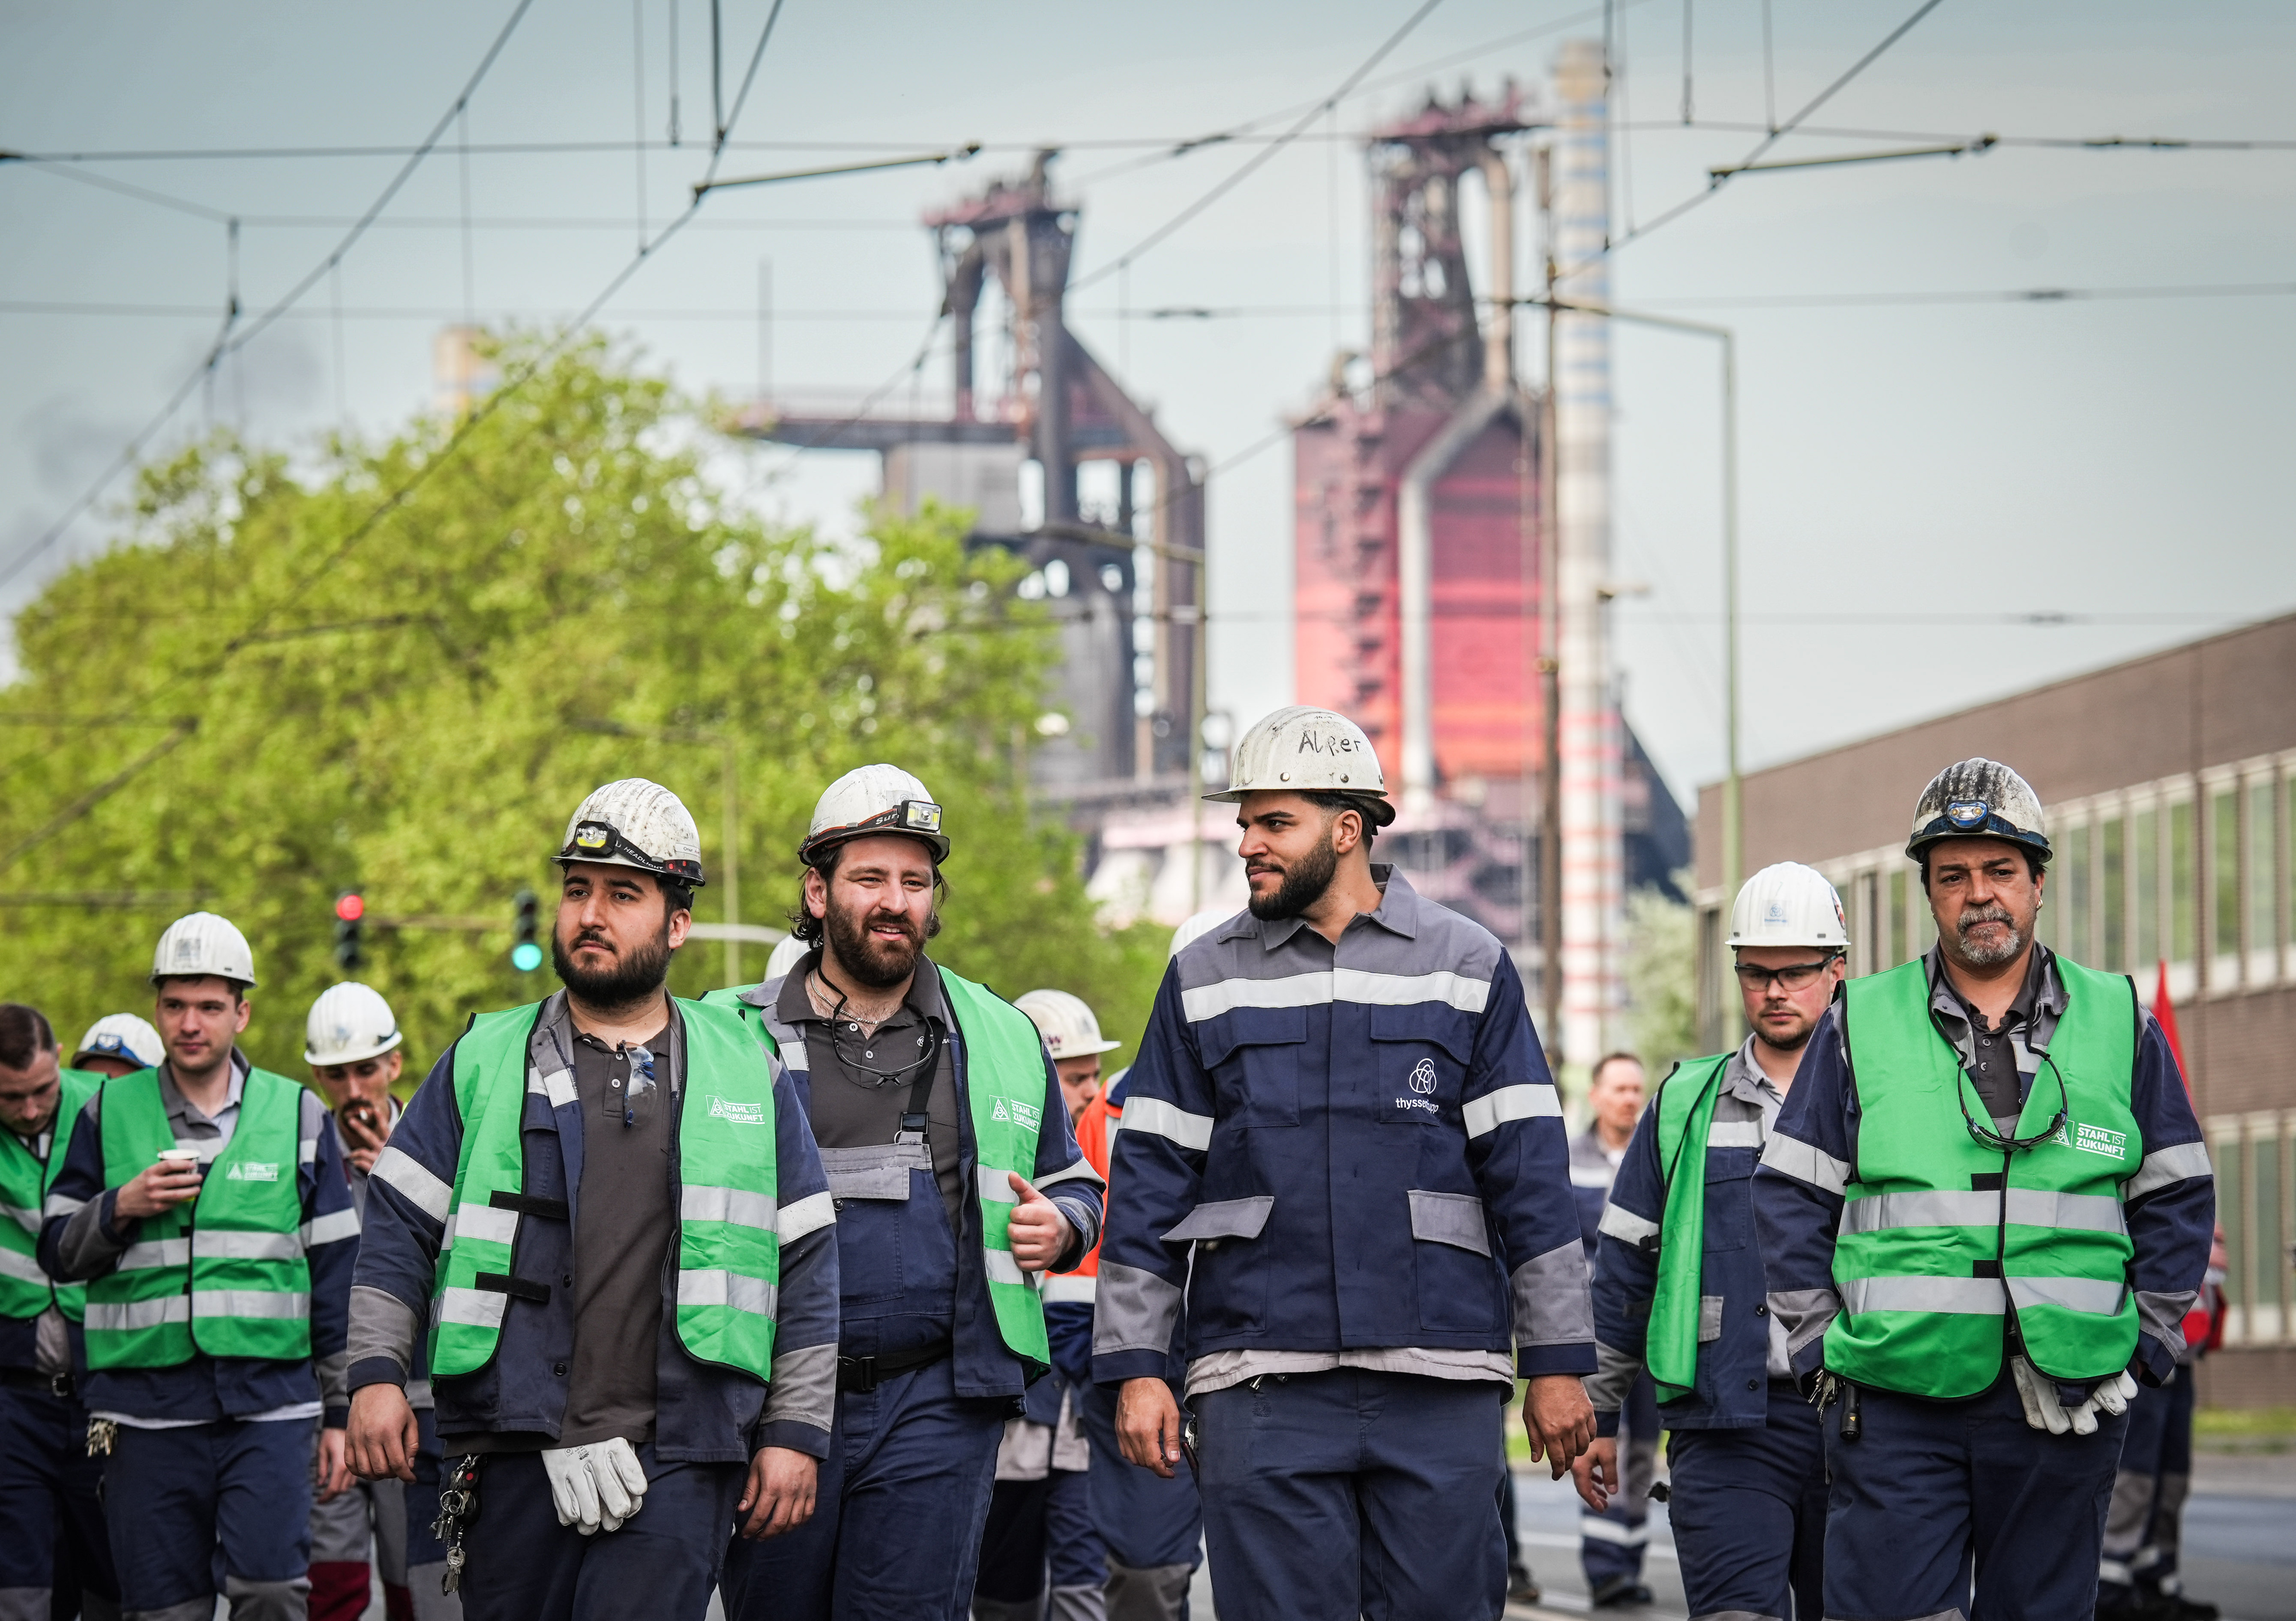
(1522, 1587)
(1620, 1592)
(2176, 1607)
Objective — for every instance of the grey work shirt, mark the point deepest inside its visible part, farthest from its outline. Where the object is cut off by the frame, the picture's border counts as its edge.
(860, 1086)
(622, 1238)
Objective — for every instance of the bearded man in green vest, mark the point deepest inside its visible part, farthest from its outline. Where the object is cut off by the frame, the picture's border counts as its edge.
(1984, 1210)
(604, 1215)
(959, 1183)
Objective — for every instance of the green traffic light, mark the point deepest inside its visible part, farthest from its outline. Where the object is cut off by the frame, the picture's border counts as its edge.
(526, 956)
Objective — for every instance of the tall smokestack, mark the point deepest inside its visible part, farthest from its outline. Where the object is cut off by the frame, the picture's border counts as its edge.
(1593, 865)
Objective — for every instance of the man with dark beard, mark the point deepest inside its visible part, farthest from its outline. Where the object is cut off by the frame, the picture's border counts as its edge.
(1984, 1211)
(1342, 1173)
(609, 1209)
(958, 1184)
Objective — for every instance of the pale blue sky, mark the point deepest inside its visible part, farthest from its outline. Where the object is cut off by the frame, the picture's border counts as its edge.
(1909, 468)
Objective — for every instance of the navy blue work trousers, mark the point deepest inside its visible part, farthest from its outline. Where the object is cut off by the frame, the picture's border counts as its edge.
(662, 1564)
(1749, 1514)
(896, 1528)
(49, 1504)
(1145, 1522)
(1945, 1507)
(230, 1497)
(1039, 1531)
(1353, 1493)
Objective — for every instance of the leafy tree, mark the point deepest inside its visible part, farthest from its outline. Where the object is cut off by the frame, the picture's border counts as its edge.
(1662, 969)
(271, 693)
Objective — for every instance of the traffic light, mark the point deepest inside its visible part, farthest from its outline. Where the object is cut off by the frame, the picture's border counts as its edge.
(525, 955)
(350, 907)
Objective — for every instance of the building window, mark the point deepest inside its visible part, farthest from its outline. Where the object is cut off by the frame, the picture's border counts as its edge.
(2231, 1183)
(2076, 879)
(2224, 889)
(2182, 883)
(2113, 883)
(2147, 824)
(2263, 926)
(1900, 925)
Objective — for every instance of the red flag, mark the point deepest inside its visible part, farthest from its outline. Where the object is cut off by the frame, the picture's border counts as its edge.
(2165, 1012)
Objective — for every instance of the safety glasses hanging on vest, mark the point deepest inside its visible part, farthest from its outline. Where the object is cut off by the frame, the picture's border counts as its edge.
(915, 1117)
(1986, 1137)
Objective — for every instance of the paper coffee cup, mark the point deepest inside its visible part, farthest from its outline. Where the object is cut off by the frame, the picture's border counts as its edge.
(179, 1156)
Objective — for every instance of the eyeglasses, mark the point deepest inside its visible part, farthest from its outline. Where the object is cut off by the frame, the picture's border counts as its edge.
(1793, 975)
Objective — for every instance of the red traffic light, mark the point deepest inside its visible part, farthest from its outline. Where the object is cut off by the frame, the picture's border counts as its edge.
(350, 906)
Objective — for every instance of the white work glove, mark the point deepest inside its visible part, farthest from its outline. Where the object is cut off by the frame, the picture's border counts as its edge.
(2044, 1411)
(594, 1486)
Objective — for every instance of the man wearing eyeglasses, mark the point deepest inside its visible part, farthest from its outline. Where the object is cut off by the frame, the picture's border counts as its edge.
(1984, 1210)
(1679, 1291)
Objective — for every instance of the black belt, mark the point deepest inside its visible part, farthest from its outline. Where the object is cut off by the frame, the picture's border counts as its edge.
(58, 1385)
(863, 1374)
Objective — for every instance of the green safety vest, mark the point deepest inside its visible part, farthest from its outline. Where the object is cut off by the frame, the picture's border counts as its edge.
(1004, 1085)
(725, 1165)
(224, 1275)
(1946, 1247)
(1685, 1116)
(25, 1290)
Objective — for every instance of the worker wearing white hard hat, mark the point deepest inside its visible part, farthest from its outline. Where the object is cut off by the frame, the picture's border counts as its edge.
(959, 1184)
(351, 1040)
(118, 1043)
(606, 1340)
(56, 1549)
(210, 1180)
(1985, 1208)
(1343, 1177)
(1692, 1315)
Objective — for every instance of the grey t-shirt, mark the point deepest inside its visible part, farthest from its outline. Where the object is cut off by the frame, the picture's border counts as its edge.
(624, 1225)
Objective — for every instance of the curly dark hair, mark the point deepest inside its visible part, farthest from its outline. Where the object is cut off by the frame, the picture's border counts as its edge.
(805, 926)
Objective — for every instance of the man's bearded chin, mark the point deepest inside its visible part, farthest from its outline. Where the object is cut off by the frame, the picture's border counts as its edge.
(879, 965)
(1302, 886)
(1988, 956)
(635, 975)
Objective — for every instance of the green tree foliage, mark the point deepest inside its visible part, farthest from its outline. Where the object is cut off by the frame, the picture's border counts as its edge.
(1661, 968)
(413, 705)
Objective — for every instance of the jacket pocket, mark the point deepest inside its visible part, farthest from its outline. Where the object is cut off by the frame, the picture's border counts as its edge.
(1450, 1219)
(1254, 1055)
(1710, 1319)
(1419, 1056)
(1228, 1284)
(1729, 1198)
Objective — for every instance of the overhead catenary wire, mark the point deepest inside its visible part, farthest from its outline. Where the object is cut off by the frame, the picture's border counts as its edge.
(1252, 165)
(230, 340)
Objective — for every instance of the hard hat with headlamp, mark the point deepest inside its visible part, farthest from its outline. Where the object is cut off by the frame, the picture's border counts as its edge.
(349, 1022)
(1979, 799)
(1305, 750)
(1788, 904)
(636, 824)
(867, 801)
(1066, 1022)
(122, 1036)
(202, 945)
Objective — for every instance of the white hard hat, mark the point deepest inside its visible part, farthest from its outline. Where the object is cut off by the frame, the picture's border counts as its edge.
(1066, 1023)
(870, 799)
(1196, 927)
(1979, 799)
(120, 1035)
(1303, 749)
(201, 944)
(787, 954)
(348, 1022)
(1788, 904)
(636, 824)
